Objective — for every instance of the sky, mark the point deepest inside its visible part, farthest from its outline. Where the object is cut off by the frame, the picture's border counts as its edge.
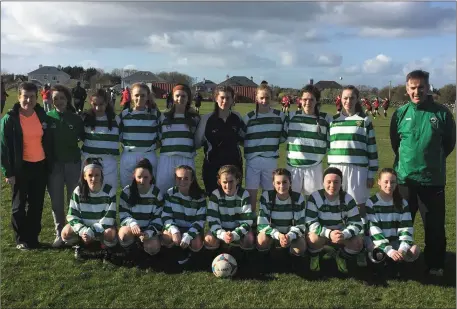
(285, 43)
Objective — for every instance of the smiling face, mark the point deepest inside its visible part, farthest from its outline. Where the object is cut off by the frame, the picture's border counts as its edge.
(224, 100)
(27, 99)
(263, 98)
(349, 100)
(59, 100)
(281, 184)
(183, 179)
(387, 182)
(332, 184)
(139, 97)
(229, 183)
(417, 90)
(308, 102)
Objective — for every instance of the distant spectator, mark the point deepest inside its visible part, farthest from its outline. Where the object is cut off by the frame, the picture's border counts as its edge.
(125, 101)
(46, 95)
(198, 101)
(4, 96)
(79, 97)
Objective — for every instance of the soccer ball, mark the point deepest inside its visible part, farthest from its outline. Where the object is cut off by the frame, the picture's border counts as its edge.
(341, 78)
(224, 266)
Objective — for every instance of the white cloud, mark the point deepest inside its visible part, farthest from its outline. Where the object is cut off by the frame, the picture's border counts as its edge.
(287, 58)
(379, 64)
(90, 64)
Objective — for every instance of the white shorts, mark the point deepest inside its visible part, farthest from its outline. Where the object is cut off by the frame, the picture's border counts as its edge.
(166, 170)
(307, 179)
(259, 173)
(355, 181)
(109, 164)
(128, 161)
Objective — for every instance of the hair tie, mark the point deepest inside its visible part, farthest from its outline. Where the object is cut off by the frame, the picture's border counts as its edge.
(92, 165)
(179, 87)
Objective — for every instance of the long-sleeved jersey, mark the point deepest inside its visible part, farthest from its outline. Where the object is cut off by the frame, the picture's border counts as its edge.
(146, 213)
(388, 224)
(263, 133)
(306, 143)
(97, 214)
(323, 216)
(229, 213)
(352, 141)
(177, 137)
(183, 212)
(102, 140)
(285, 217)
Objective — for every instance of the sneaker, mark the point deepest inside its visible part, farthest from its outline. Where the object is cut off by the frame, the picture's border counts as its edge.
(314, 264)
(77, 252)
(361, 260)
(438, 272)
(341, 263)
(23, 247)
(58, 242)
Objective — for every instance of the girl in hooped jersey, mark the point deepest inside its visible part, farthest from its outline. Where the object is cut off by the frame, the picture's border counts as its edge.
(177, 131)
(229, 213)
(353, 148)
(389, 218)
(184, 213)
(263, 133)
(140, 210)
(307, 132)
(281, 217)
(332, 217)
(138, 127)
(92, 212)
(101, 136)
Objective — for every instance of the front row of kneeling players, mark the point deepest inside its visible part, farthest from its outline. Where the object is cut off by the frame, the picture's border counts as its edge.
(177, 218)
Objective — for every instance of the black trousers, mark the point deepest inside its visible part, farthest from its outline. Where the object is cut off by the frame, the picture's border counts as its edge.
(431, 204)
(209, 173)
(27, 202)
(3, 105)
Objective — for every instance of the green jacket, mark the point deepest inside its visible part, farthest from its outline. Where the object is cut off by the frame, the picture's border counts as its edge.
(66, 129)
(422, 136)
(11, 144)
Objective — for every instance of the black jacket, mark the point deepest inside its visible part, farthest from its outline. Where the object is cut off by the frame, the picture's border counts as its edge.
(11, 142)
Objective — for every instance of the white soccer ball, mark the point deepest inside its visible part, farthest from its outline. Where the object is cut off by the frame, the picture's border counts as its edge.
(341, 78)
(224, 266)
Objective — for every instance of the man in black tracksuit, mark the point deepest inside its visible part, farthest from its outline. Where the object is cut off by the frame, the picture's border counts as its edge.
(220, 140)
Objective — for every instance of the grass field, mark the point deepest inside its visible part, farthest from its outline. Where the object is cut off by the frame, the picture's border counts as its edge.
(52, 278)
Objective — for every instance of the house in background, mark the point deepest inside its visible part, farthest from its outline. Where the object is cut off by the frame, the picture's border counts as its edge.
(244, 87)
(327, 84)
(205, 86)
(158, 85)
(48, 75)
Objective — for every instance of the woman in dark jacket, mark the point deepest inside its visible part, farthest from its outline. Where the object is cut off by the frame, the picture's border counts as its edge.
(25, 151)
(220, 135)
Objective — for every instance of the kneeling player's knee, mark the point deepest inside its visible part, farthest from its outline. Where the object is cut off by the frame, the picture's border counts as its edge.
(152, 247)
(211, 242)
(196, 244)
(315, 241)
(355, 244)
(298, 247)
(109, 234)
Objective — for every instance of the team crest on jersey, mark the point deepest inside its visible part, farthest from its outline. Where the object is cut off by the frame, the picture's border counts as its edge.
(359, 123)
(70, 126)
(434, 122)
(53, 126)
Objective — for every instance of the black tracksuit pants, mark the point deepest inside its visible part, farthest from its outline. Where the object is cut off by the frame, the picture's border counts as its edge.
(431, 204)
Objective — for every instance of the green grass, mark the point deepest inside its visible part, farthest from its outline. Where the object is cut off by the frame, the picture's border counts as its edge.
(52, 278)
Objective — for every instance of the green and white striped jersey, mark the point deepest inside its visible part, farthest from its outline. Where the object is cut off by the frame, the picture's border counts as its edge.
(183, 212)
(139, 129)
(98, 213)
(388, 224)
(263, 133)
(352, 141)
(229, 213)
(147, 213)
(306, 145)
(323, 216)
(282, 217)
(176, 137)
(102, 141)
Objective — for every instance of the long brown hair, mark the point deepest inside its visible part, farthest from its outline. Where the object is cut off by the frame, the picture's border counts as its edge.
(150, 103)
(358, 106)
(89, 117)
(229, 169)
(134, 196)
(188, 113)
(283, 172)
(216, 95)
(67, 93)
(316, 94)
(195, 191)
(262, 87)
(83, 185)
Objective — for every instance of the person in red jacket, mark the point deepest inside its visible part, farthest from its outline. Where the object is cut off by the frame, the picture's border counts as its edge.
(46, 95)
(285, 104)
(385, 106)
(298, 102)
(368, 108)
(338, 103)
(125, 102)
(376, 107)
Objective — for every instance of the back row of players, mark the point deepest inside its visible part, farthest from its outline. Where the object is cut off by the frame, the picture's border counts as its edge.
(347, 138)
